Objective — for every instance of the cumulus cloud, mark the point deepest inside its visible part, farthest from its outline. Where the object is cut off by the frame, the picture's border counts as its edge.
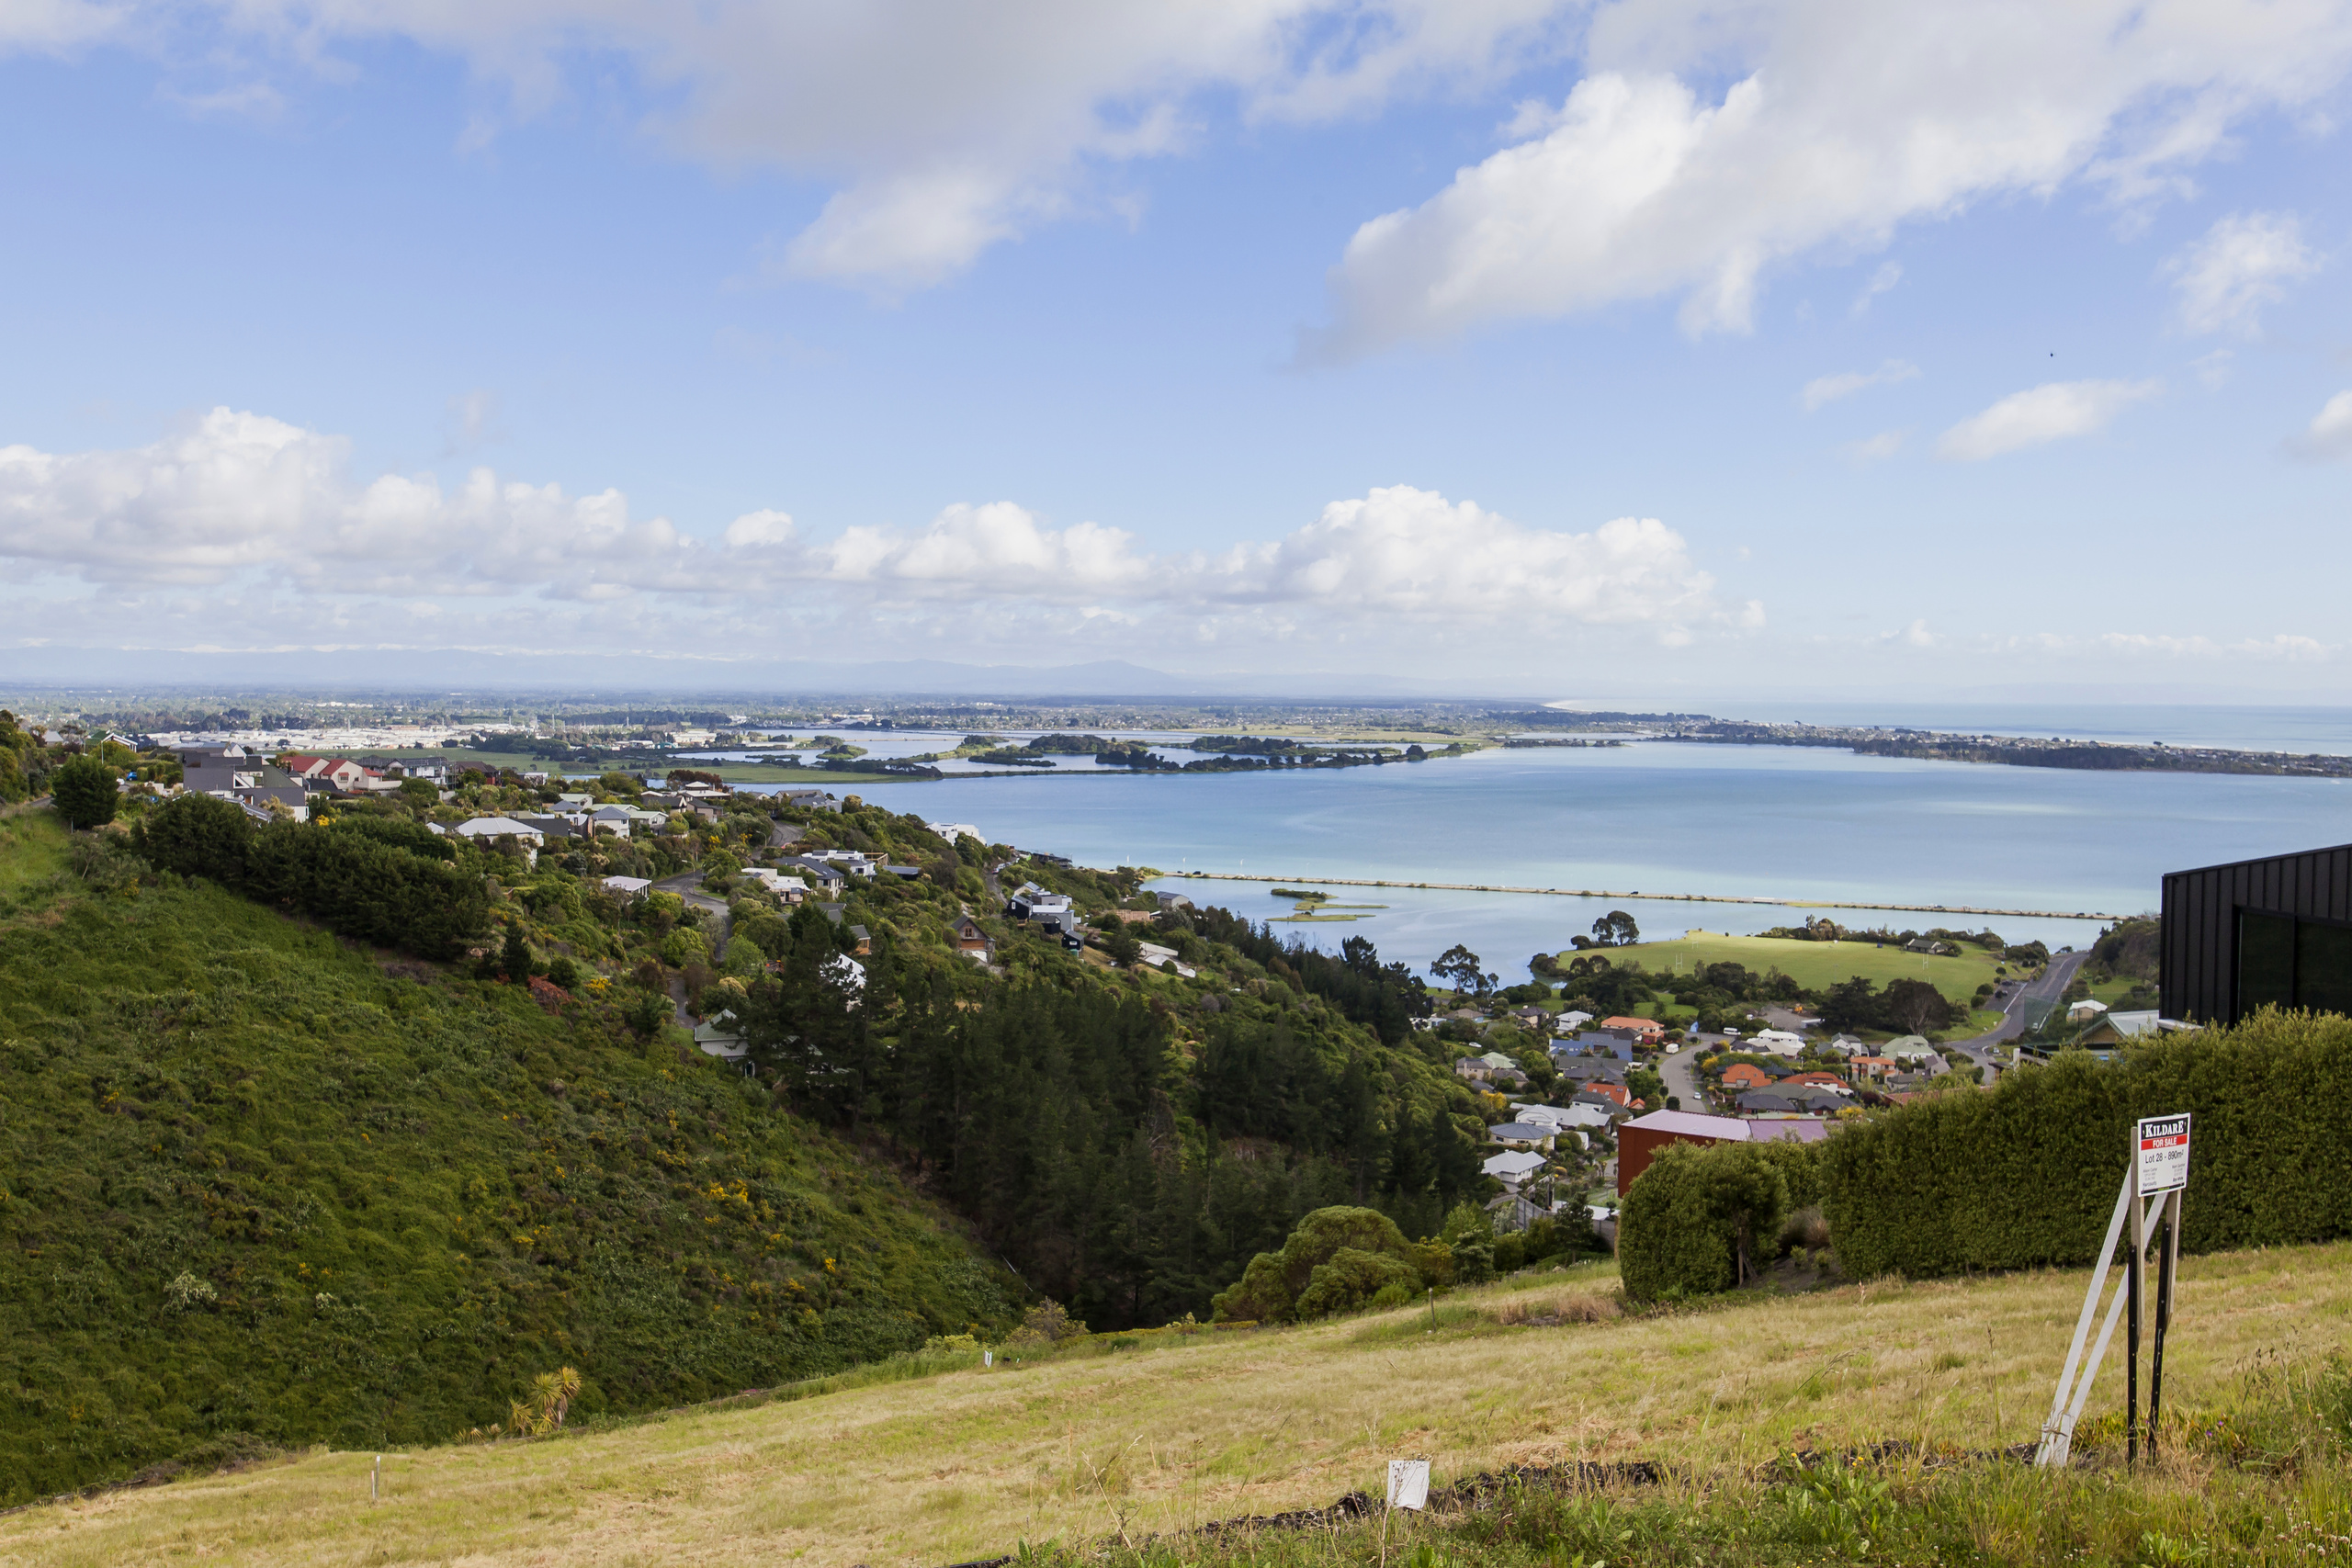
(941, 130)
(1829, 389)
(1842, 121)
(2052, 411)
(2329, 434)
(244, 501)
(2242, 263)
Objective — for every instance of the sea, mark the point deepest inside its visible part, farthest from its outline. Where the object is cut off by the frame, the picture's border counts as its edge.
(1824, 831)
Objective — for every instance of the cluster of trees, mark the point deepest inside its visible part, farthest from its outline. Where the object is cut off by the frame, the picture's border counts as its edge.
(1115, 1174)
(1345, 1259)
(1383, 998)
(25, 763)
(1615, 929)
(376, 880)
(1905, 1006)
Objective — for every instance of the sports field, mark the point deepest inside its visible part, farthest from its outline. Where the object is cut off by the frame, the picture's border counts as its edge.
(1814, 964)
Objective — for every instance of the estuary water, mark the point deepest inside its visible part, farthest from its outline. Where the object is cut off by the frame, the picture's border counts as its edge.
(1825, 827)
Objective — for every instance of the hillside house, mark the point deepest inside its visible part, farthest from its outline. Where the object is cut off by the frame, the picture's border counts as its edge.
(970, 939)
(1644, 1030)
(1514, 1167)
(1747, 1075)
(1523, 1134)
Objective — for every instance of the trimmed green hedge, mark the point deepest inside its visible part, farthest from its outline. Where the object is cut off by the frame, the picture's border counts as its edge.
(2026, 1174)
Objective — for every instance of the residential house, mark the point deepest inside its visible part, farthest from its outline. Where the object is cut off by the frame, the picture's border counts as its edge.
(1644, 1030)
(1747, 1075)
(1566, 1118)
(626, 887)
(2114, 1028)
(850, 861)
(1614, 1093)
(970, 939)
(1523, 1134)
(1870, 1066)
(1614, 1109)
(863, 941)
(1586, 1069)
(1513, 1167)
(1570, 1022)
(484, 828)
(1639, 1141)
(1161, 957)
(1910, 1048)
(1777, 1043)
(1533, 1018)
(810, 799)
(2084, 1010)
(846, 973)
(951, 831)
(828, 877)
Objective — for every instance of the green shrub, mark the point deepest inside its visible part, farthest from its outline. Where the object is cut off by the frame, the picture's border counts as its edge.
(1270, 1288)
(84, 793)
(1696, 1221)
(2026, 1174)
(1350, 1280)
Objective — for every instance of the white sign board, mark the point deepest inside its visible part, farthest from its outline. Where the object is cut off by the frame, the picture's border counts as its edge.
(1409, 1483)
(2162, 1146)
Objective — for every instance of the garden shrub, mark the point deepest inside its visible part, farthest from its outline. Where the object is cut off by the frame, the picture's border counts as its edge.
(1699, 1217)
(2025, 1175)
(1350, 1280)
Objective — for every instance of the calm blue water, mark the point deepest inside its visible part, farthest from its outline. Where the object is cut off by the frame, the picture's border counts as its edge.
(1772, 821)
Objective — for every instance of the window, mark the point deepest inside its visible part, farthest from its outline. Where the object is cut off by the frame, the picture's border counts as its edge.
(2289, 961)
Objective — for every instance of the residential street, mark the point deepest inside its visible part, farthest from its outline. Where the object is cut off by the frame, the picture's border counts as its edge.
(2050, 986)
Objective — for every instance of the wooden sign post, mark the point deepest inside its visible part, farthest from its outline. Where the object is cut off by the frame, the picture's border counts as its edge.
(2153, 1187)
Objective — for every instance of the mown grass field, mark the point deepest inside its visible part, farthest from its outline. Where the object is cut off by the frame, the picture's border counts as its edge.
(1097, 1443)
(1816, 964)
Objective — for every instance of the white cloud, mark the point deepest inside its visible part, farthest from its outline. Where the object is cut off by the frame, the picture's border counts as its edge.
(2329, 433)
(942, 129)
(241, 503)
(1843, 119)
(1888, 275)
(2242, 263)
(49, 26)
(1829, 389)
(1878, 449)
(2053, 412)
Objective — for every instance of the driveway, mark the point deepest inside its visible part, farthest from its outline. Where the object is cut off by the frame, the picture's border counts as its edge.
(688, 886)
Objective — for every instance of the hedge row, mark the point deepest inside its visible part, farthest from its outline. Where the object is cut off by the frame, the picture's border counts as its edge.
(370, 883)
(2026, 1174)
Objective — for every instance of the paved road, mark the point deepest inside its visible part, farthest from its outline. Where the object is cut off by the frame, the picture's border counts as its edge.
(1680, 1072)
(2049, 988)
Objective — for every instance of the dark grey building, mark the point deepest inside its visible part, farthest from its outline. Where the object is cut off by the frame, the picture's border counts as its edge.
(2255, 932)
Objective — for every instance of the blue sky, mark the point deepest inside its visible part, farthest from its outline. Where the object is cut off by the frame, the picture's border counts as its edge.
(1435, 342)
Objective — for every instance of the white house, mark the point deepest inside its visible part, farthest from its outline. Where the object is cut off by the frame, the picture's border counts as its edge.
(1562, 1116)
(2084, 1010)
(951, 831)
(498, 827)
(626, 887)
(1568, 1024)
(1777, 1042)
(1513, 1167)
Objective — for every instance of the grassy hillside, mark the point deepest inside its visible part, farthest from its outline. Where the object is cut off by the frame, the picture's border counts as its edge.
(1095, 1442)
(256, 1179)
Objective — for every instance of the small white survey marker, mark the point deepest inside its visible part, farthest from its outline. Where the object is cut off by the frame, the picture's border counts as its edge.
(1408, 1484)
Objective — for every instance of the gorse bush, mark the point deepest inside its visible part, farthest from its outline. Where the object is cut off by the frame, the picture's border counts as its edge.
(1338, 1259)
(2026, 1174)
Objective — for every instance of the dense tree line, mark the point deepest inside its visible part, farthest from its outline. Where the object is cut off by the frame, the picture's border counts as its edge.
(1111, 1172)
(373, 879)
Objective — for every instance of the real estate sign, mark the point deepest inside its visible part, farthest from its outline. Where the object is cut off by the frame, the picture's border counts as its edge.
(2163, 1144)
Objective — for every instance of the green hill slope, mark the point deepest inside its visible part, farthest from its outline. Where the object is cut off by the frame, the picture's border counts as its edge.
(1093, 1443)
(254, 1179)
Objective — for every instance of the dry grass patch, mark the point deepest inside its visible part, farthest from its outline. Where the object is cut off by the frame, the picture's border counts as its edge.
(1084, 1447)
